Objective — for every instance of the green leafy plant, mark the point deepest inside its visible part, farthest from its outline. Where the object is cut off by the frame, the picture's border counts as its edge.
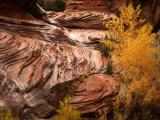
(55, 5)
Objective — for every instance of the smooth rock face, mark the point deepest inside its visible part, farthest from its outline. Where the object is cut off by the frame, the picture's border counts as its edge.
(93, 93)
(88, 36)
(40, 64)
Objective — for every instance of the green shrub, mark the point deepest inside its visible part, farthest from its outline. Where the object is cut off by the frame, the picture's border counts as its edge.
(55, 5)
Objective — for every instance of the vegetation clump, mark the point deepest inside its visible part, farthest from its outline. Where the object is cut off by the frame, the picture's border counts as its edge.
(135, 60)
(55, 5)
(6, 114)
(66, 112)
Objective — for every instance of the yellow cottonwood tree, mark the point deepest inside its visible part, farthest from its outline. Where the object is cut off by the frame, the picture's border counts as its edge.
(131, 41)
(134, 56)
(66, 112)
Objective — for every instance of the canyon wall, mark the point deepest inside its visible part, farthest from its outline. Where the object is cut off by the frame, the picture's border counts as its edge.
(41, 63)
(93, 5)
(150, 8)
(86, 5)
(151, 11)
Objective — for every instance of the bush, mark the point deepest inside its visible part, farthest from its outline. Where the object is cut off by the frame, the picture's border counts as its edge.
(131, 43)
(6, 114)
(134, 53)
(66, 112)
(56, 5)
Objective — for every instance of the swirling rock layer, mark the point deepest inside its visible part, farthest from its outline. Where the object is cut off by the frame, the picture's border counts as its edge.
(29, 61)
(40, 64)
(93, 93)
(81, 19)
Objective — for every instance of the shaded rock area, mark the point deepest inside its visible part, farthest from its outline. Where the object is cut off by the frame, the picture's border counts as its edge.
(91, 5)
(151, 11)
(41, 63)
(94, 5)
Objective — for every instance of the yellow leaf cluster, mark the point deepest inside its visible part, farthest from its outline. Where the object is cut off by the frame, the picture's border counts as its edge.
(131, 42)
(6, 115)
(66, 112)
(135, 57)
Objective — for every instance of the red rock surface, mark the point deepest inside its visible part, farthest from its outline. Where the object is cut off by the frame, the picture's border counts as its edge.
(79, 19)
(88, 96)
(40, 65)
(99, 5)
(94, 5)
(150, 8)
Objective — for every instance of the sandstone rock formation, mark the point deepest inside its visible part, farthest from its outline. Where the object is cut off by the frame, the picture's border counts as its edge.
(150, 8)
(151, 11)
(81, 5)
(79, 19)
(86, 27)
(94, 5)
(40, 64)
(87, 97)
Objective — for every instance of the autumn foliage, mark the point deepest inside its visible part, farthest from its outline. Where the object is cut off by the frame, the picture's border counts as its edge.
(6, 114)
(133, 50)
(66, 112)
(131, 42)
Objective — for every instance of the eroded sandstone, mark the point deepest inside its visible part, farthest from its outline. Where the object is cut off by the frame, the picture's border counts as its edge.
(40, 64)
